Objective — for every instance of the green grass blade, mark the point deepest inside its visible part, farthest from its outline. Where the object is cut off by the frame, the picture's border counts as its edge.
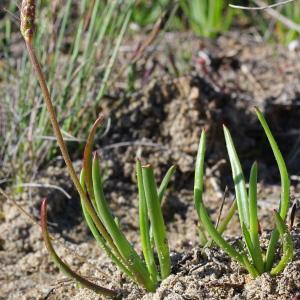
(115, 51)
(145, 226)
(62, 265)
(75, 53)
(134, 263)
(285, 187)
(61, 35)
(200, 208)
(157, 221)
(107, 17)
(165, 182)
(253, 229)
(105, 20)
(238, 178)
(288, 248)
(98, 237)
(92, 30)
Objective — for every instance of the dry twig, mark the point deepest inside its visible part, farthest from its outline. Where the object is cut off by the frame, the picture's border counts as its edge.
(261, 7)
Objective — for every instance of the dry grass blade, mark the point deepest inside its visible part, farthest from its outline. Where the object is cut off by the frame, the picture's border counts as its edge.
(87, 161)
(225, 195)
(281, 18)
(292, 215)
(261, 7)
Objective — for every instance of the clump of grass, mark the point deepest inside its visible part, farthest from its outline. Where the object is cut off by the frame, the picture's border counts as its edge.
(70, 38)
(280, 24)
(100, 220)
(255, 261)
(285, 33)
(148, 12)
(208, 17)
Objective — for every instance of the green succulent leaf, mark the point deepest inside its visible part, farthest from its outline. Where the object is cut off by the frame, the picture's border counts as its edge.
(145, 226)
(284, 176)
(256, 255)
(200, 208)
(285, 187)
(165, 182)
(157, 221)
(238, 178)
(98, 237)
(136, 266)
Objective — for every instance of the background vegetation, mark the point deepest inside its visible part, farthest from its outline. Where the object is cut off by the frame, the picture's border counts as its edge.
(79, 43)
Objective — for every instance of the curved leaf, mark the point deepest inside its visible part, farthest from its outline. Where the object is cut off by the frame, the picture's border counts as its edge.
(285, 187)
(165, 182)
(145, 226)
(135, 264)
(201, 209)
(238, 178)
(253, 229)
(87, 157)
(157, 221)
(62, 265)
(116, 258)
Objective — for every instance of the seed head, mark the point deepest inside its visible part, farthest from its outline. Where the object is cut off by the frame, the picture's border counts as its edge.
(27, 19)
